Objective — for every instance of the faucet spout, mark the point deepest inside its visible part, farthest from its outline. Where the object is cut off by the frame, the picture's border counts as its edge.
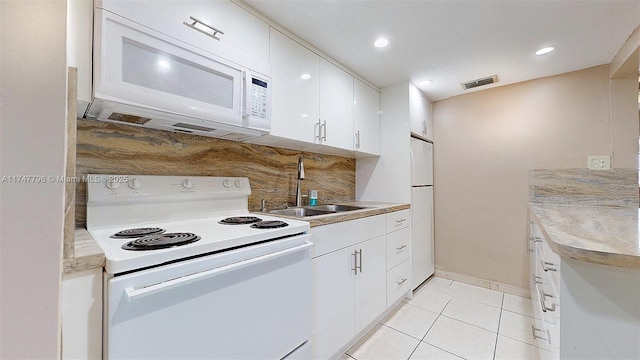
(300, 177)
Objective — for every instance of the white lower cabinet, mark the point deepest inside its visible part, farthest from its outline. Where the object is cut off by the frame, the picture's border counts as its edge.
(349, 284)
(82, 315)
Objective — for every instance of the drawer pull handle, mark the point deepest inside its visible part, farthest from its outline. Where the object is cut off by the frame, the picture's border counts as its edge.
(401, 247)
(194, 27)
(543, 305)
(546, 264)
(536, 239)
(536, 279)
(533, 332)
(401, 282)
(400, 221)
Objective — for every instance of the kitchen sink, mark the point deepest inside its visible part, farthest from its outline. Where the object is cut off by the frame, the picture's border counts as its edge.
(315, 210)
(300, 212)
(337, 208)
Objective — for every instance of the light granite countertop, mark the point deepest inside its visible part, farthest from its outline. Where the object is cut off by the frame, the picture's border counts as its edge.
(370, 209)
(597, 234)
(89, 255)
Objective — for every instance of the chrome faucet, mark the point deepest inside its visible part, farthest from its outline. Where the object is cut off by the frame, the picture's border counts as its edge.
(300, 178)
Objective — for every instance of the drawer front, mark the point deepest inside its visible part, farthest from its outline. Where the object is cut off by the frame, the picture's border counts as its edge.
(398, 247)
(398, 220)
(398, 282)
(548, 268)
(547, 305)
(328, 238)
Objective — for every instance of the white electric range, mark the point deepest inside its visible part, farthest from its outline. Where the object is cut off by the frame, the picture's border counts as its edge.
(190, 273)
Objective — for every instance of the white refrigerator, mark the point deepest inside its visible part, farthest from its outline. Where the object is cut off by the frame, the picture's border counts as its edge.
(422, 249)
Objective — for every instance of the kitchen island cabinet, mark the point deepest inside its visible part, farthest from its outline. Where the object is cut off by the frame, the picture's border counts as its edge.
(584, 251)
(588, 265)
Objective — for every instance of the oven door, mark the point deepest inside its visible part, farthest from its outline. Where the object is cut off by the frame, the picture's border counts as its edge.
(248, 303)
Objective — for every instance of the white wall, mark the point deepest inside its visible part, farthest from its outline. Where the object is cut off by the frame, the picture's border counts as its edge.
(388, 178)
(485, 144)
(32, 142)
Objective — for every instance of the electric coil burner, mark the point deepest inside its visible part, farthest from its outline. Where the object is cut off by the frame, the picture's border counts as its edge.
(240, 220)
(272, 224)
(136, 233)
(161, 241)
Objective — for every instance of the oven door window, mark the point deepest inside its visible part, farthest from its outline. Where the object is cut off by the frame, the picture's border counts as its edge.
(240, 309)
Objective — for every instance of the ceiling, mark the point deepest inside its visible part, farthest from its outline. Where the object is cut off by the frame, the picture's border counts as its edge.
(451, 42)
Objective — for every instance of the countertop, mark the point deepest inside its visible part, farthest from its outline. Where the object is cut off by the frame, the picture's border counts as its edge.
(597, 234)
(371, 209)
(89, 255)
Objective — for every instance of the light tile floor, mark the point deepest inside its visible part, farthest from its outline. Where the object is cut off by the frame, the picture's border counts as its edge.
(452, 320)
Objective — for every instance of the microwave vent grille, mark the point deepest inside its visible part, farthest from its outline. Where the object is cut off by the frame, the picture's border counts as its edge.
(131, 119)
(192, 127)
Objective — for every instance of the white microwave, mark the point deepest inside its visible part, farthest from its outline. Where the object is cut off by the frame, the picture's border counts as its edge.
(145, 78)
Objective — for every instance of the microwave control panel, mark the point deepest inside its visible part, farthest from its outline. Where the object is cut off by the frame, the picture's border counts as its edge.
(259, 94)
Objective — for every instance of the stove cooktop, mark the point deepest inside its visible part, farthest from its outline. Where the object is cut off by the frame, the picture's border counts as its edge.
(213, 236)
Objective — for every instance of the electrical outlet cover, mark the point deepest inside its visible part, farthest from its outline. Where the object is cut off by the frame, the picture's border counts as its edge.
(599, 162)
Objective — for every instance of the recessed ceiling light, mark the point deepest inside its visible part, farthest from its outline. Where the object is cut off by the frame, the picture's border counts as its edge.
(545, 50)
(426, 82)
(305, 76)
(381, 42)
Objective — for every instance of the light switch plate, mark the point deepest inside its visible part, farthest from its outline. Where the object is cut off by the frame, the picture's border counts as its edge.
(599, 162)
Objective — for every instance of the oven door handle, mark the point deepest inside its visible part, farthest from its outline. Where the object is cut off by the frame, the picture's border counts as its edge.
(132, 294)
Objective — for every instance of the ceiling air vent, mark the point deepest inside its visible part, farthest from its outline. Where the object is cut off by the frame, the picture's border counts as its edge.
(480, 82)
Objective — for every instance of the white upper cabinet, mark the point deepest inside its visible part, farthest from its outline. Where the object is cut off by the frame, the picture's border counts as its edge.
(219, 27)
(296, 90)
(420, 113)
(79, 45)
(336, 106)
(366, 118)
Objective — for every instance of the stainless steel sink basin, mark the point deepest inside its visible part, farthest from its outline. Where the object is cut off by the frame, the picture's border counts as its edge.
(337, 208)
(301, 212)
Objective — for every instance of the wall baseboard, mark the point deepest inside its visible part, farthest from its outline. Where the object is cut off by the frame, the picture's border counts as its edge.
(493, 285)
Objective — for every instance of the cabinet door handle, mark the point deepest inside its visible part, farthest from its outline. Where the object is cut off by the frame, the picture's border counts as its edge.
(536, 239)
(324, 134)
(401, 247)
(358, 139)
(355, 262)
(546, 264)
(533, 332)
(316, 126)
(543, 305)
(360, 267)
(401, 282)
(196, 21)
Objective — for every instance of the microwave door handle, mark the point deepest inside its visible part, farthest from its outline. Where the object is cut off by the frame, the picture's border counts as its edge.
(245, 94)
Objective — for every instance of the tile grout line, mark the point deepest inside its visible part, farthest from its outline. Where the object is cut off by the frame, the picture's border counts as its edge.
(495, 347)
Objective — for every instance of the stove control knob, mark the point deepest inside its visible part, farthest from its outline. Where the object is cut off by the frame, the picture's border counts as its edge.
(111, 184)
(226, 183)
(238, 183)
(187, 184)
(134, 183)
